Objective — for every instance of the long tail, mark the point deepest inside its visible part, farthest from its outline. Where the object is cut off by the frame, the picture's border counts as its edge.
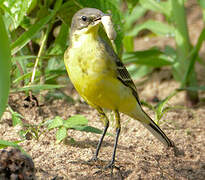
(157, 132)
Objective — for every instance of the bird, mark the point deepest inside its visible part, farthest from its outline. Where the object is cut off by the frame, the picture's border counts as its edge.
(101, 79)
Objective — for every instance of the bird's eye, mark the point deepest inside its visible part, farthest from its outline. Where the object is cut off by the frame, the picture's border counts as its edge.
(84, 18)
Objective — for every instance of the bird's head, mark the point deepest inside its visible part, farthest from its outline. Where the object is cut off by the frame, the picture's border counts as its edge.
(86, 20)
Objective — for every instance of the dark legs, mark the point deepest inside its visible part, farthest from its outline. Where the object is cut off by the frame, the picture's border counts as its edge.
(105, 121)
(112, 162)
(106, 125)
(100, 142)
(118, 128)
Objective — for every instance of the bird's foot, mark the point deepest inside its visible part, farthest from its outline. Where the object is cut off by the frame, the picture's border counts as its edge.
(93, 159)
(112, 166)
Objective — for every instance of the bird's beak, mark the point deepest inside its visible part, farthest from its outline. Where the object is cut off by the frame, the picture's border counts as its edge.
(98, 19)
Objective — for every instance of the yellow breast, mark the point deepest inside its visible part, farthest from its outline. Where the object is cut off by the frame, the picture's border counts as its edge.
(88, 64)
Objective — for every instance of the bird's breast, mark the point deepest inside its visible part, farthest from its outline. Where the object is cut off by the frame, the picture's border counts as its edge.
(87, 66)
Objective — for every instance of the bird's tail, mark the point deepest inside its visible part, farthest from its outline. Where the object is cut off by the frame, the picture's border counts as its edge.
(156, 131)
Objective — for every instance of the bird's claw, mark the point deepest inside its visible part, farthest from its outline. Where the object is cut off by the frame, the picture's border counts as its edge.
(93, 159)
(112, 166)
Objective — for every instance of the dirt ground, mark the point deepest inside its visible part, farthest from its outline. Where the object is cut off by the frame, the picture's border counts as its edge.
(139, 154)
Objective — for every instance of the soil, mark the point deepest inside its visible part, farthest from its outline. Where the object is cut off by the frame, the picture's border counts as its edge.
(139, 154)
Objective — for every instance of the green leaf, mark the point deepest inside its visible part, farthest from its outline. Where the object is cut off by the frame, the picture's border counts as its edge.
(131, 3)
(38, 87)
(19, 58)
(161, 104)
(5, 65)
(32, 5)
(76, 120)
(201, 3)
(156, 27)
(4, 144)
(61, 134)
(51, 95)
(128, 42)
(152, 57)
(182, 41)
(193, 57)
(88, 129)
(59, 45)
(148, 105)
(28, 35)
(137, 72)
(193, 88)
(16, 119)
(56, 122)
(170, 51)
(25, 76)
(157, 6)
(67, 10)
(132, 17)
(16, 9)
(203, 11)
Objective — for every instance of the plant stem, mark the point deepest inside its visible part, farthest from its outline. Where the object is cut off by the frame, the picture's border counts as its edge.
(183, 49)
(40, 52)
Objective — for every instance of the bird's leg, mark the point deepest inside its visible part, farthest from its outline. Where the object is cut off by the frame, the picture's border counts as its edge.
(105, 121)
(118, 128)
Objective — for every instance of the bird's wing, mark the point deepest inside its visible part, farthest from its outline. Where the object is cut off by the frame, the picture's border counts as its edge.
(122, 73)
(125, 78)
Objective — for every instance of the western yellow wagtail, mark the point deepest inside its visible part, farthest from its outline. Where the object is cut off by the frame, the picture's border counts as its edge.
(101, 79)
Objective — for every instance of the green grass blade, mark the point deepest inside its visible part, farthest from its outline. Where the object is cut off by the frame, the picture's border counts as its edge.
(88, 129)
(193, 56)
(28, 35)
(38, 87)
(4, 144)
(179, 19)
(156, 27)
(202, 5)
(157, 6)
(152, 58)
(16, 9)
(160, 106)
(138, 72)
(133, 16)
(19, 58)
(76, 120)
(5, 65)
(193, 88)
(67, 10)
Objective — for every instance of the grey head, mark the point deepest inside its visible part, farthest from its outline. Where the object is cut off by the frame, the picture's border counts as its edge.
(85, 17)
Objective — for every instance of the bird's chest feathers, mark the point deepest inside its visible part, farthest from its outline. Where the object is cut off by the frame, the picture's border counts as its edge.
(87, 58)
(88, 64)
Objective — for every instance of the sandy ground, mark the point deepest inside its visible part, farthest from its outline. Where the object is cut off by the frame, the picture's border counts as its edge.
(139, 154)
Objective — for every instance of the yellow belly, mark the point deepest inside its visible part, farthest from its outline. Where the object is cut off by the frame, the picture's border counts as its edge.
(104, 91)
(100, 88)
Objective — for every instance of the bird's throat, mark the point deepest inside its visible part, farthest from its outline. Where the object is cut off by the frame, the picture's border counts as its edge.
(84, 36)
